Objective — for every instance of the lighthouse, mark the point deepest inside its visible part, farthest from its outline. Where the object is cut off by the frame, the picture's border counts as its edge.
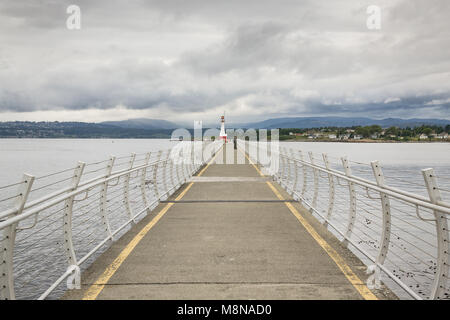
(222, 135)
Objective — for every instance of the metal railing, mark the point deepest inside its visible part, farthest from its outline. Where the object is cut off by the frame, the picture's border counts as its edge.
(402, 236)
(52, 225)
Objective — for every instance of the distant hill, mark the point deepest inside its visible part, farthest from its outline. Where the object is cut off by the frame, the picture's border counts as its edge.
(28, 129)
(147, 124)
(317, 122)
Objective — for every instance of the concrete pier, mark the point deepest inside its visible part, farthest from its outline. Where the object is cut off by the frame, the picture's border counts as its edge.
(230, 233)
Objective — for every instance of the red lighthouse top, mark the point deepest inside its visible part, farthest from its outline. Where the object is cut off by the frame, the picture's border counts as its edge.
(222, 118)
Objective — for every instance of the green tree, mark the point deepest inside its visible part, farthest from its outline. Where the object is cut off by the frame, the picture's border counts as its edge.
(363, 131)
(427, 131)
(391, 130)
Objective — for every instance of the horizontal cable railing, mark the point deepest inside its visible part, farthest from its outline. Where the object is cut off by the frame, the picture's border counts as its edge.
(401, 235)
(52, 225)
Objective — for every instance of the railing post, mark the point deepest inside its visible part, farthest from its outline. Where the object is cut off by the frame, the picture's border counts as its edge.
(194, 160)
(316, 181)
(67, 218)
(295, 182)
(177, 168)
(7, 254)
(171, 175)
(443, 252)
(352, 209)
(143, 176)
(386, 224)
(164, 196)
(283, 168)
(305, 177)
(155, 176)
(191, 162)
(288, 170)
(183, 165)
(198, 154)
(188, 160)
(126, 189)
(331, 190)
(277, 174)
(103, 198)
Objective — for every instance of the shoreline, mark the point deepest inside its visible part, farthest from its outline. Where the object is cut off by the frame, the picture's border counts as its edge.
(364, 141)
(168, 139)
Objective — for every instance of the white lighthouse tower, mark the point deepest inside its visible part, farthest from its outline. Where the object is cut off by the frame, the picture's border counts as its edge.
(222, 135)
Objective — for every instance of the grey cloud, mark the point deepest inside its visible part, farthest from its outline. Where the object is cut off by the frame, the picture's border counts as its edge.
(253, 58)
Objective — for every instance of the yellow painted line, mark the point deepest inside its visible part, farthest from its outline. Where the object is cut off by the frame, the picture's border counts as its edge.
(94, 290)
(254, 166)
(343, 266)
(206, 167)
(333, 254)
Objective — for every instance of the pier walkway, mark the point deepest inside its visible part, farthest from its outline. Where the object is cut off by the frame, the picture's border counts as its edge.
(229, 233)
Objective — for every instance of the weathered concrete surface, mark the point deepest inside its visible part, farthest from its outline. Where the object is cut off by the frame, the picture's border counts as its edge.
(256, 250)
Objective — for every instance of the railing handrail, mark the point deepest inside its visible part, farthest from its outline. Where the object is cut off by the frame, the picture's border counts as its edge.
(394, 192)
(91, 183)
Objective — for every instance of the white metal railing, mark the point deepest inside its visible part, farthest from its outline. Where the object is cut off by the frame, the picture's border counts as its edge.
(52, 225)
(402, 236)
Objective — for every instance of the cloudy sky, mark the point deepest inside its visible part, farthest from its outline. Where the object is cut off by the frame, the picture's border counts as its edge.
(182, 60)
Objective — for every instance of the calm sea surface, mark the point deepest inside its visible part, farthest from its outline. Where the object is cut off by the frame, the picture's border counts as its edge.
(41, 156)
(401, 162)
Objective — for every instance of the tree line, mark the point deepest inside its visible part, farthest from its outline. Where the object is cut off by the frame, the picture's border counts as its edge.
(367, 131)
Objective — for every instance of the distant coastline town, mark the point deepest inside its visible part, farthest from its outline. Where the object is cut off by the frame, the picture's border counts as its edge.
(374, 133)
(370, 133)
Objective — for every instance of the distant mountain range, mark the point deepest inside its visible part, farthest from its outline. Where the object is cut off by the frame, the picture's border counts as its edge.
(141, 123)
(317, 122)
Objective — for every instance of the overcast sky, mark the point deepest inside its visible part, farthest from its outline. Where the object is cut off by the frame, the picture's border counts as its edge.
(192, 59)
